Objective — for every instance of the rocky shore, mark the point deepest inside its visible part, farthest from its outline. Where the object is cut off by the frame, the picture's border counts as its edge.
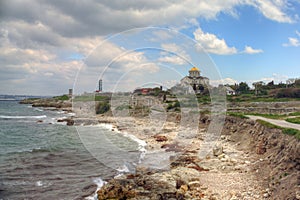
(49, 103)
(52, 104)
(250, 161)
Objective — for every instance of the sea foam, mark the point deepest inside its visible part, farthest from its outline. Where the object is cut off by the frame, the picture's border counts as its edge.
(22, 117)
(99, 182)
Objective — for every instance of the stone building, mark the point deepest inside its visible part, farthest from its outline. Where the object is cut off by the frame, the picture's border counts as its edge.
(198, 83)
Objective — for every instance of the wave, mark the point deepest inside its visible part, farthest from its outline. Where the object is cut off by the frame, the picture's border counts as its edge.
(99, 182)
(22, 117)
(71, 114)
(30, 150)
(38, 109)
(141, 143)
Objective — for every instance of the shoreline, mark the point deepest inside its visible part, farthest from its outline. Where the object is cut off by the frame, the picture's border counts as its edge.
(247, 163)
(238, 167)
(185, 162)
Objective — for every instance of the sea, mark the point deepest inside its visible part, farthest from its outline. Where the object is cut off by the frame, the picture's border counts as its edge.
(41, 158)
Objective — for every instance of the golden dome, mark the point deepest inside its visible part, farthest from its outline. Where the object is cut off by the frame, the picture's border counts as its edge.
(194, 69)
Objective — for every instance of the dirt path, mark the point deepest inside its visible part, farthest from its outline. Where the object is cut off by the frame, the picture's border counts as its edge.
(277, 122)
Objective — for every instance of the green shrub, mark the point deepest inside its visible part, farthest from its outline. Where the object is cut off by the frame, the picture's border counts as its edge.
(102, 107)
(123, 107)
(62, 98)
(288, 93)
(175, 105)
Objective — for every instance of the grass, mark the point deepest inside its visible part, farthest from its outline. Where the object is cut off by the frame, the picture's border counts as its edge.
(294, 114)
(62, 98)
(275, 116)
(295, 120)
(91, 98)
(287, 131)
(253, 98)
(270, 116)
(205, 99)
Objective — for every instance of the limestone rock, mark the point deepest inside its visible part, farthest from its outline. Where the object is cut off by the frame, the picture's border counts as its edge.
(194, 184)
(217, 150)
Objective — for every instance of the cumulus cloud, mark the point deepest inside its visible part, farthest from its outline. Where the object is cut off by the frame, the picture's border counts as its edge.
(250, 50)
(212, 44)
(224, 81)
(173, 54)
(38, 37)
(172, 59)
(293, 42)
(277, 78)
(272, 9)
(93, 17)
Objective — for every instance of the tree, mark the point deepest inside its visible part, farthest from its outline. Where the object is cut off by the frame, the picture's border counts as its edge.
(258, 86)
(243, 88)
(271, 83)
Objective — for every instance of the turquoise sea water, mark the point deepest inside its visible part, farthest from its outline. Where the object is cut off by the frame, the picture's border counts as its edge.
(43, 159)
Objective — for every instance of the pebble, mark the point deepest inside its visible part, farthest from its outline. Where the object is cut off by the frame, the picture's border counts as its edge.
(194, 184)
(266, 195)
(184, 188)
(234, 198)
(298, 195)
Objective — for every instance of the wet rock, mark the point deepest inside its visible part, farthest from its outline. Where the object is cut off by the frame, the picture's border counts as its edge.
(116, 190)
(70, 122)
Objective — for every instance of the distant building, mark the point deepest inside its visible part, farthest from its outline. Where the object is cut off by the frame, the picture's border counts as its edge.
(230, 91)
(99, 86)
(197, 82)
(70, 93)
(143, 91)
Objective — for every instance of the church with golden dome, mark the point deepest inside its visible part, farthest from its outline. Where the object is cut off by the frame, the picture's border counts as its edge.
(199, 84)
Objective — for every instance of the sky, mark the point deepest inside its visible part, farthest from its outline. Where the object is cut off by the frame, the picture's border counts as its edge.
(47, 47)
